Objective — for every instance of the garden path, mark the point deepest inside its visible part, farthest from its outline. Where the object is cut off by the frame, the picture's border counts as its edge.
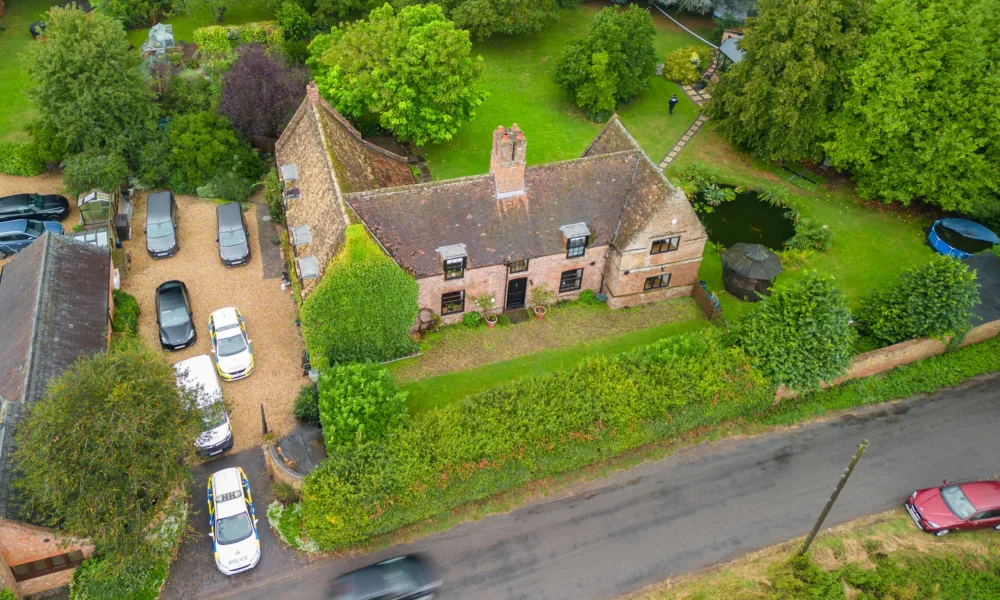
(699, 97)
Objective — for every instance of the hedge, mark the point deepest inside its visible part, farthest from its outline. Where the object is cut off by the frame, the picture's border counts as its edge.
(528, 429)
(358, 403)
(126, 318)
(217, 42)
(20, 159)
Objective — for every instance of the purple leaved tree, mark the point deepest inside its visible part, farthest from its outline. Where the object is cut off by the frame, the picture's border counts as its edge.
(260, 93)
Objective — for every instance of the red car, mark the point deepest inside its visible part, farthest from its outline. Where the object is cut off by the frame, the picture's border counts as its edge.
(957, 506)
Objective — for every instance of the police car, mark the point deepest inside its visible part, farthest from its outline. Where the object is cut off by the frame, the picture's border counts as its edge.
(234, 534)
(230, 344)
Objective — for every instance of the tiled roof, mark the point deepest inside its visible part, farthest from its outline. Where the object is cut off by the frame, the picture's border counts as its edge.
(53, 309)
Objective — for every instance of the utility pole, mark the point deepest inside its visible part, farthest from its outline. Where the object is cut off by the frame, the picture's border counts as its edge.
(833, 498)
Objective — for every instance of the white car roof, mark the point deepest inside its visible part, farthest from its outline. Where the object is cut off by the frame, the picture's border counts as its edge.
(200, 370)
(225, 317)
(228, 482)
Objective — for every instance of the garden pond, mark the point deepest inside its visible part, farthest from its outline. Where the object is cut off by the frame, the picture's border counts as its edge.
(750, 220)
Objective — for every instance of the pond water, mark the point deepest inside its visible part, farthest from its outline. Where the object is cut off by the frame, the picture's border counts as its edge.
(959, 241)
(746, 219)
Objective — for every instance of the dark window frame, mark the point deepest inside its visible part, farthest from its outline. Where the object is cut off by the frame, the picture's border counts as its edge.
(670, 244)
(574, 249)
(445, 302)
(71, 562)
(511, 266)
(567, 279)
(663, 279)
(461, 270)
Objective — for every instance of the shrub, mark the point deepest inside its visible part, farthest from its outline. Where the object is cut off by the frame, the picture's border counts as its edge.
(800, 335)
(92, 169)
(307, 404)
(810, 234)
(203, 143)
(588, 298)
(681, 65)
(930, 300)
(189, 92)
(358, 403)
(703, 188)
(126, 319)
(20, 159)
(260, 93)
(295, 22)
(273, 196)
(218, 42)
(363, 308)
(231, 186)
(133, 13)
(528, 429)
(284, 492)
(473, 319)
(7, 594)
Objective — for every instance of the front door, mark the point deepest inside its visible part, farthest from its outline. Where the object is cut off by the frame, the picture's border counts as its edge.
(516, 289)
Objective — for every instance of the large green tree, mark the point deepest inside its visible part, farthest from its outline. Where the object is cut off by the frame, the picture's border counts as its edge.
(778, 102)
(613, 63)
(86, 88)
(921, 119)
(104, 448)
(412, 68)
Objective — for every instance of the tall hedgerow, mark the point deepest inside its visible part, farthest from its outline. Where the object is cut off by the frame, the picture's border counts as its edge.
(363, 308)
(358, 403)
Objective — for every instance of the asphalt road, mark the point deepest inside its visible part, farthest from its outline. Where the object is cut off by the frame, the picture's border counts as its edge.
(699, 507)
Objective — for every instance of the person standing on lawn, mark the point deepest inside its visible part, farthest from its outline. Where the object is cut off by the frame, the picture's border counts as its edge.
(673, 103)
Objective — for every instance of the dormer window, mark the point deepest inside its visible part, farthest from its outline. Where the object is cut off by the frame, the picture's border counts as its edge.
(576, 247)
(577, 236)
(454, 259)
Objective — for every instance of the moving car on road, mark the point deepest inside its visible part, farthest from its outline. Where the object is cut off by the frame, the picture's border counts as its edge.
(231, 233)
(198, 376)
(956, 506)
(230, 344)
(173, 315)
(16, 235)
(51, 207)
(161, 225)
(234, 534)
(403, 578)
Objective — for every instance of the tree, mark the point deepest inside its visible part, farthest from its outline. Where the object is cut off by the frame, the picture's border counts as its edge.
(800, 335)
(413, 69)
(86, 88)
(358, 403)
(260, 94)
(215, 7)
(294, 21)
(133, 13)
(934, 299)
(779, 101)
(921, 119)
(613, 63)
(363, 308)
(105, 447)
(203, 144)
(90, 169)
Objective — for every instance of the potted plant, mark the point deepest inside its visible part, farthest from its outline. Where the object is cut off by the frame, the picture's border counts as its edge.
(487, 302)
(541, 297)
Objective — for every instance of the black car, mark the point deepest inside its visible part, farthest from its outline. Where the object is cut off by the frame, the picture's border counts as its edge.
(404, 578)
(234, 249)
(161, 225)
(173, 315)
(51, 207)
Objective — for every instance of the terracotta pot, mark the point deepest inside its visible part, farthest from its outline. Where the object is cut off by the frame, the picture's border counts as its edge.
(491, 321)
(540, 312)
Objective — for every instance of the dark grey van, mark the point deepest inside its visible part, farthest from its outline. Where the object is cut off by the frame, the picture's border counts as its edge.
(161, 225)
(234, 247)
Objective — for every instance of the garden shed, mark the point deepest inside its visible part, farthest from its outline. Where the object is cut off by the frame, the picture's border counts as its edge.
(749, 270)
(729, 52)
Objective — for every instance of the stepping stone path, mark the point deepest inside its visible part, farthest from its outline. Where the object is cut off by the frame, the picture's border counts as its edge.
(699, 98)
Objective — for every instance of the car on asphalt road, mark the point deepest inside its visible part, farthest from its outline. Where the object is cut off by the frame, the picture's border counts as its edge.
(230, 344)
(956, 506)
(403, 578)
(198, 376)
(174, 315)
(231, 234)
(161, 225)
(231, 519)
(50, 207)
(16, 235)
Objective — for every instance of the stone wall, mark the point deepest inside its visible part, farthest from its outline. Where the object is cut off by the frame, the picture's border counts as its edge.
(279, 471)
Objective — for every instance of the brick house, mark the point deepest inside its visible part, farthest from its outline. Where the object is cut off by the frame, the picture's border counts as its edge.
(55, 306)
(608, 221)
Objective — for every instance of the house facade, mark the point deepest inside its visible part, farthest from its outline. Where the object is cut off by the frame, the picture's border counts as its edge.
(608, 221)
(55, 306)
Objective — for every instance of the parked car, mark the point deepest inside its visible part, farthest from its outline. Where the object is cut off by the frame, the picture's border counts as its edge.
(51, 207)
(173, 315)
(198, 376)
(230, 344)
(161, 225)
(235, 539)
(231, 234)
(16, 235)
(403, 578)
(956, 506)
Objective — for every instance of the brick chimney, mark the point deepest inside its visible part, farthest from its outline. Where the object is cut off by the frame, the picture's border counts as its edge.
(507, 161)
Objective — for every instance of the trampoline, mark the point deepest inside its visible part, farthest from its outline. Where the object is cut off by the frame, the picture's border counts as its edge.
(960, 238)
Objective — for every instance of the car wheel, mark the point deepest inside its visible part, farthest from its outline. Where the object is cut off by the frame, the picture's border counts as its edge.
(941, 532)
(3, 255)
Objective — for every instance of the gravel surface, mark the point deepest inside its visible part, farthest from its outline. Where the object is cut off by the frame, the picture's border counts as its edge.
(41, 184)
(269, 314)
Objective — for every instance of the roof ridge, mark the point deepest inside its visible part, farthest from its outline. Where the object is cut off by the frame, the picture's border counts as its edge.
(321, 101)
(580, 159)
(32, 354)
(614, 118)
(415, 186)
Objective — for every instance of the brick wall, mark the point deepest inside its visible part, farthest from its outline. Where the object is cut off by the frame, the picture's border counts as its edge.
(22, 543)
(279, 471)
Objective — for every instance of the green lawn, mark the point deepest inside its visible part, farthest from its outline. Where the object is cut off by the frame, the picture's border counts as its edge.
(519, 78)
(184, 25)
(432, 392)
(15, 111)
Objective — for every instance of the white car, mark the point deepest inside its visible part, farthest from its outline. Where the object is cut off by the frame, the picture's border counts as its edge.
(235, 538)
(198, 376)
(230, 344)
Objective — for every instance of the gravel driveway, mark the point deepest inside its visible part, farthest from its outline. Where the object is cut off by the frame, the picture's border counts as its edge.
(269, 313)
(41, 184)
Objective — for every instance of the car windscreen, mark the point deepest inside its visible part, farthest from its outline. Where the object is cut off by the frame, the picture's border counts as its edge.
(233, 529)
(231, 345)
(177, 315)
(232, 238)
(957, 502)
(159, 230)
(34, 228)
